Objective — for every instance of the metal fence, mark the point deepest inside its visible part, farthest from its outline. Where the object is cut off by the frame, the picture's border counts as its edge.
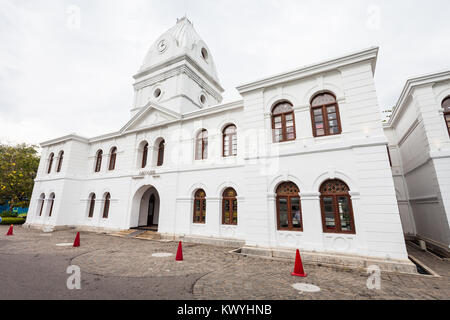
(15, 210)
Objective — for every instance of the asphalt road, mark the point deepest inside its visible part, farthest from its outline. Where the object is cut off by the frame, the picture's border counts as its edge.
(44, 277)
(33, 265)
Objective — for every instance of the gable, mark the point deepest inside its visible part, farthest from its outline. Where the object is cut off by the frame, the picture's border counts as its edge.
(150, 116)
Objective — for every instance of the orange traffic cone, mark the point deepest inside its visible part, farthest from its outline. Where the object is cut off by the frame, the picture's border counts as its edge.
(298, 269)
(77, 241)
(179, 256)
(10, 231)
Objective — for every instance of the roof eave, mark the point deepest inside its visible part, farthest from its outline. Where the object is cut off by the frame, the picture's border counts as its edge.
(364, 55)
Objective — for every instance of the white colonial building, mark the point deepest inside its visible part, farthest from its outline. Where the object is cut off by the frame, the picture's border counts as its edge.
(299, 162)
(419, 143)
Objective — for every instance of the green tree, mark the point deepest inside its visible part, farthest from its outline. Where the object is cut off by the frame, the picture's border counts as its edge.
(18, 168)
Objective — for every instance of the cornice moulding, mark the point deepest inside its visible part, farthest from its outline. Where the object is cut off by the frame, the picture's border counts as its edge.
(309, 70)
(179, 59)
(411, 84)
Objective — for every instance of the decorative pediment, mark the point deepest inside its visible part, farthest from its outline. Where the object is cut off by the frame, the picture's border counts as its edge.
(150, 116)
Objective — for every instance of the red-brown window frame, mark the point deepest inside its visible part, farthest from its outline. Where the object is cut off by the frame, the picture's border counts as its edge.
(230, 201)
(202, 201)
(98, 162)
(446, 113)
(91, 205)
(201, 141)
(337, 218)
(289, 206)
(232, 138)
(106, 206)
(144, 155)
(60, 161)
(161, 153)
(283, 123)
(325, 116)
(50, 163)
(112, 159)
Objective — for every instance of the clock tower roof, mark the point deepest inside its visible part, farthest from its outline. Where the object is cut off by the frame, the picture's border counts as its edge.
(181, 40)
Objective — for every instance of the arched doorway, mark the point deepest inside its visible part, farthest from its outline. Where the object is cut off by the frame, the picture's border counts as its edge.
(149, 209)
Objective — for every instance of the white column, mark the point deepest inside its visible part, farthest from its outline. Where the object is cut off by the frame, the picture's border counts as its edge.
(213, 215)
(312, 221)
(271, 218)
(184, 207)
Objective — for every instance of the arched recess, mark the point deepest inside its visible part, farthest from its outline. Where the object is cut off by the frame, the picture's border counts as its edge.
(145, 207)
(196, 186)
(288, 207)
(277, 98)
(201, 141)
(327, 87)
(60, 161)
(282, 178)
(98, 161)
(50, 205)
(159, 155)
(40, 205)
(143, 154)
(228, 184)
(283, 122)
(226, 122)
(106, 209)
(335, 175)
(112, 159)
(336, 207)
(50, 162)
(91, 205)
(325, 114)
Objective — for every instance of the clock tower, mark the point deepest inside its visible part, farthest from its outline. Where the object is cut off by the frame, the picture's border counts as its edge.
(178, 73)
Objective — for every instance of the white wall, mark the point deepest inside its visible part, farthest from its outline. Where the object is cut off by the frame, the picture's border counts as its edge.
(418, 137)
(357, 156)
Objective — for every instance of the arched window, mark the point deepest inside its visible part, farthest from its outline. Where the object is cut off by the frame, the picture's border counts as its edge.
(229, 207)
(289, 214)
(50, 162)
(283, 122)
(200, 206)
(336, 205)
(229, 141)
(91, 205)
(446, 107)
(144, 155)
(106, 206)
(51, 202)
(325, 115)
(41, 204)
(161, 153)
(98, 162)
(201, 145)
(60, 161)
(112, 159)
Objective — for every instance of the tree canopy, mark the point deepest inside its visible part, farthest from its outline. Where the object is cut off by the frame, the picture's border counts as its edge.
(18, 168)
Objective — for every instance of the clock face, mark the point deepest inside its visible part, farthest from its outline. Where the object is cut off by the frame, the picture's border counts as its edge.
(162, 45)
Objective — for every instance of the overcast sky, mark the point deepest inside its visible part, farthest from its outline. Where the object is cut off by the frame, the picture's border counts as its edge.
(62, 72)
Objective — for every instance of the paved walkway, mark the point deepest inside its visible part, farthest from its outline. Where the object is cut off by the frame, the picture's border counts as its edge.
(438, 265)
(33, 266)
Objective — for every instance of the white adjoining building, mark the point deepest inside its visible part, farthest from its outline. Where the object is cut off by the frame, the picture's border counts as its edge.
(299, 162)
(419, 143)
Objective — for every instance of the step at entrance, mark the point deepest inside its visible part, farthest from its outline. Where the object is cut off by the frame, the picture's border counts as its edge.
(135, 233)
(149, 235)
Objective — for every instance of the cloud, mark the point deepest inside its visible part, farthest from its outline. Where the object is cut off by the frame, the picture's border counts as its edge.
(60, 73)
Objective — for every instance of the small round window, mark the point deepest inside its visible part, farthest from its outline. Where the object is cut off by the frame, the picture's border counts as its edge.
(203, 99)
(157, 93)
(205, 54)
